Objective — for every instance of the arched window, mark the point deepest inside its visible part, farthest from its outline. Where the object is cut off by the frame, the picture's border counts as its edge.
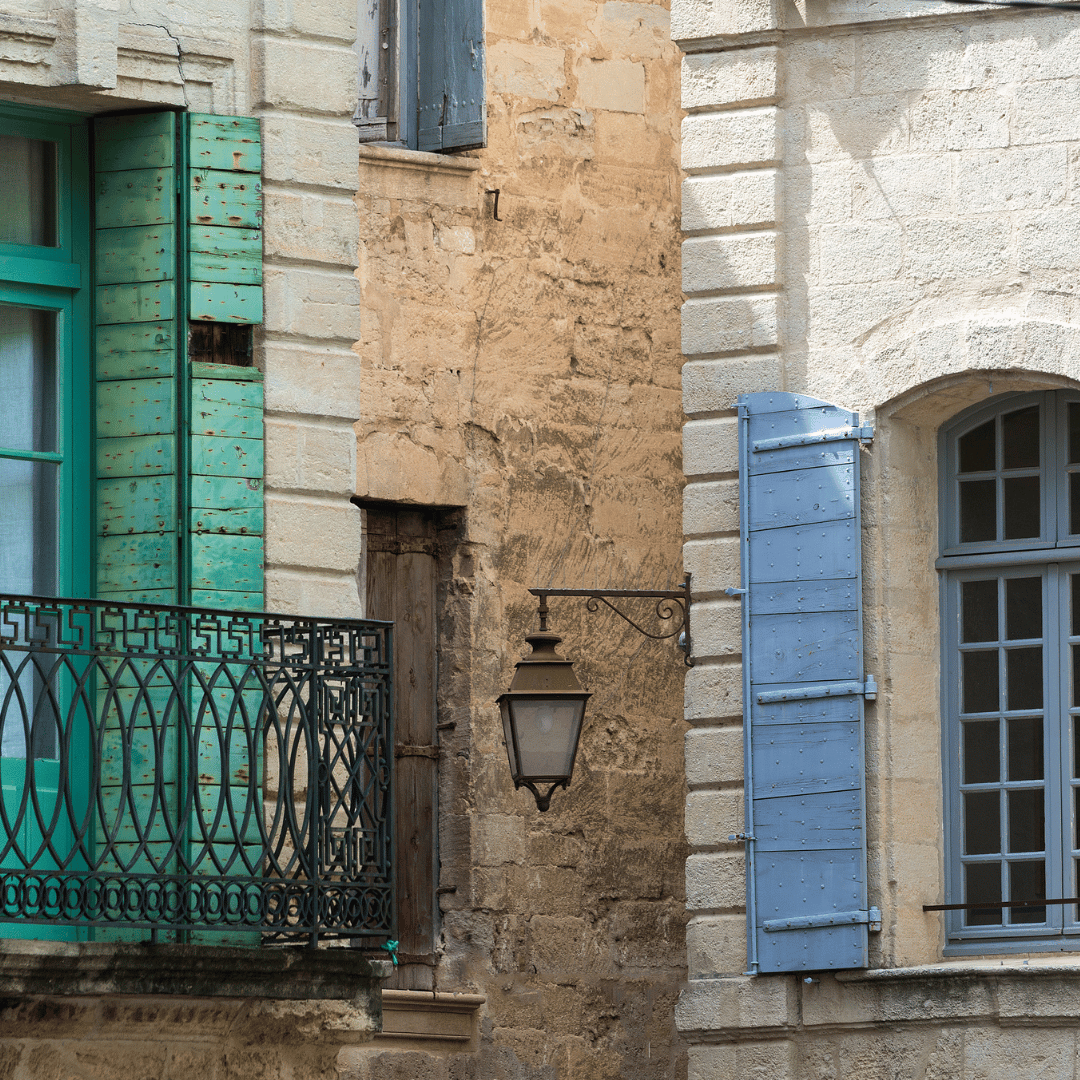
(1010, 556)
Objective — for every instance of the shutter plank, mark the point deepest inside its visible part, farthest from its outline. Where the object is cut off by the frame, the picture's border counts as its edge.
(215, 302)
(136, 350)
(231, 143)
(136, 197)
(225, 199)
(229, 255)
(802, 616)
(136, 505)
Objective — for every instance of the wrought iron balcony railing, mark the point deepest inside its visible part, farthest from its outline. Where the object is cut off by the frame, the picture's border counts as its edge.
(185, 772)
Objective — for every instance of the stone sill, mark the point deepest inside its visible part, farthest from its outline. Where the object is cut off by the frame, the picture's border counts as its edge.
(1053, 966)
(65, 969)
(401, 157)
(422, 1020)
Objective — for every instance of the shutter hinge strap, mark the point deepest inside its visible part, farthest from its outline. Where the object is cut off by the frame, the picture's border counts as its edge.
(864, 433)
(868, 688)
(731, 590)
(871, 917)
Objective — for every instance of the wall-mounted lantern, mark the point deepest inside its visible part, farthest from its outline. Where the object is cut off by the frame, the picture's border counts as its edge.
(543, 710)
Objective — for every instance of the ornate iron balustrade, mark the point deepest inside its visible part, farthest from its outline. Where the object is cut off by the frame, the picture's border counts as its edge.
(187, 771)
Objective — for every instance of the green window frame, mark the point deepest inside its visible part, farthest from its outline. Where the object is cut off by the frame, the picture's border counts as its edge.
(1010, 563)
(57, 279)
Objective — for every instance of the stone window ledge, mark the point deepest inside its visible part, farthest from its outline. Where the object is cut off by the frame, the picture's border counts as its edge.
(992, 965)
(400, 157)
(422, 1020)
(65, 969)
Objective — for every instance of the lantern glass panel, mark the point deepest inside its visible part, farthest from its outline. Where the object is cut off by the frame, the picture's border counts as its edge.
(547, 735)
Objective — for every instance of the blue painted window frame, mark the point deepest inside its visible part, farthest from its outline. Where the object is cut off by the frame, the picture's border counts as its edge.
(1053, 556)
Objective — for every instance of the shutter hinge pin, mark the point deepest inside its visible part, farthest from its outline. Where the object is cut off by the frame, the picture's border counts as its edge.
(865, 432)
(747, 837)
(870, 688)
(732, 591)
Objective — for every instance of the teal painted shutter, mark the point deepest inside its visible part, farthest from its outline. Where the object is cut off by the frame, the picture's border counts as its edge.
(225, 451)
(225, 518)
(452, 107)
(803, 683)
(136, 347)
(224, 219)
(138, 379)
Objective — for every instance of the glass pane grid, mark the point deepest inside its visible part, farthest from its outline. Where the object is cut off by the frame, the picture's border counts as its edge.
(999, 479)
(1002, 781)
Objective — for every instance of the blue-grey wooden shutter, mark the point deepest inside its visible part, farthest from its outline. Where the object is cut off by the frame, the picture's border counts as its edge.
(451, 103)
(803, 683)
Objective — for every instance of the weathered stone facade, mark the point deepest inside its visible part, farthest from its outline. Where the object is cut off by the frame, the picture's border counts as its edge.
(879, 212)
(517, 376)
(525, 371)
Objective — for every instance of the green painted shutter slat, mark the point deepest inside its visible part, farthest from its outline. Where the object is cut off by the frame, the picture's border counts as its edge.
(136, 261)
(136, 302)
(147, 252)
(226, 492)
(143, 456)
(134, 142)
(138, 504)
(452, 106)
(221, 254)
(136, 350)
(226, 563)
(224, 258)
(219, 302)
(136, 407)
(241, 521)
(225, 199)
(135, 197)
(226, 457)
(231, 143)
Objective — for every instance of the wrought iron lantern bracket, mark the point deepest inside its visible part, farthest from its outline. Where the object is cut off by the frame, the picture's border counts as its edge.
(670, 604)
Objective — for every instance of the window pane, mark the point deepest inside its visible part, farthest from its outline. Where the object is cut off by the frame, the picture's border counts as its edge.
(28, 181)
(1074, 581)
(977, 449)
(1026, 820)
(1020, 439)
(1074, 433)
(978, 510)
(1075, 650)
(982, 824)
(982, 886)
(980, 610)
(28, 526)
(1024, 679)
(1023, 608)
(980, 671)
(1027, 881)
(982, 752)
(1074, 503)
(1026, 748)
(1076, 749)
(1022, 519)
(28, 395)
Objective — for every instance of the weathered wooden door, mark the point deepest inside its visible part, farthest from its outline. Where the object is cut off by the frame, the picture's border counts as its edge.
(401, 586)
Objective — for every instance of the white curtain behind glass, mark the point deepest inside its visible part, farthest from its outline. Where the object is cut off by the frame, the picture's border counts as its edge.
(28, 489)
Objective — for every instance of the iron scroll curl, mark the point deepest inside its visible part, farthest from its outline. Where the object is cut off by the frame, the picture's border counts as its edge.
(670, 604)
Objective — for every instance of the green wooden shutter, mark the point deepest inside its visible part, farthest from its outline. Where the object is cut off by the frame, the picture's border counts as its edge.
(136, 310)
(225, 449)
(452, 107)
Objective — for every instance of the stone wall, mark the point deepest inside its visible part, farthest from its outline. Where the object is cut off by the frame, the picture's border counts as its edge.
(878, 212)
(526, 370)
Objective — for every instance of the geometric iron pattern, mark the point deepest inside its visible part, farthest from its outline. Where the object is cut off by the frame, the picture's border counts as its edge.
(173, 772)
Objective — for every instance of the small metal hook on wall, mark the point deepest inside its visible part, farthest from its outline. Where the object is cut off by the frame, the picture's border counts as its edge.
(495, 192)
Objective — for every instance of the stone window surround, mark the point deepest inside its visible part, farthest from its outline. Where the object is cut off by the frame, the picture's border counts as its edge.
(903, 649)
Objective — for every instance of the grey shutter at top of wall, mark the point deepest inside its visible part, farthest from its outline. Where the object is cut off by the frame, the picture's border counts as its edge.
(803, 684)
(452, 106)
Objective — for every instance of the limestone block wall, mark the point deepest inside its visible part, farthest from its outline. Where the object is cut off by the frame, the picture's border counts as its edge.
(877, 211)
(525, 371)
